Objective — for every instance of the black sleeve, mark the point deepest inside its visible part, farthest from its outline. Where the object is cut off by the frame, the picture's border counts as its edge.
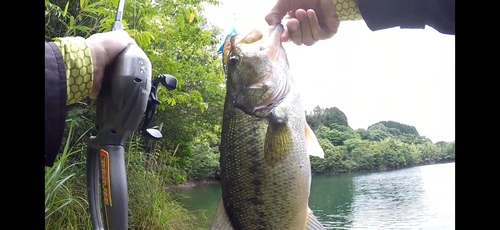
(384, 14)
(55, 101)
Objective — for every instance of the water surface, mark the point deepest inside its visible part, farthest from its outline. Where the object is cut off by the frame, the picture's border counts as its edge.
(420, 197)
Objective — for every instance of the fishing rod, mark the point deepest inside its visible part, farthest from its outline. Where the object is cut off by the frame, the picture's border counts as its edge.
(127, 94)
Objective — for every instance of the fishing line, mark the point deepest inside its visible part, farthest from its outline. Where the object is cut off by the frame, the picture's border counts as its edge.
(234, 13)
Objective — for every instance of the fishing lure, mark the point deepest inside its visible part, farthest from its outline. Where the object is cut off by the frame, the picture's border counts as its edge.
(225, 47)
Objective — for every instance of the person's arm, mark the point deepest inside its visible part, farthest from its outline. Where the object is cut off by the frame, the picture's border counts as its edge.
(384, 14)
(68, 79)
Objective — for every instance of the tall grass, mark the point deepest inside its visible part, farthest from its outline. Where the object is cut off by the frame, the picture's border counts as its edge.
(151, 206)
(65, 205)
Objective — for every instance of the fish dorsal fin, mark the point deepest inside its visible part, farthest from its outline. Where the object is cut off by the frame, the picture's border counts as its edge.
(312, 222)
(221, 220)
(313, 147)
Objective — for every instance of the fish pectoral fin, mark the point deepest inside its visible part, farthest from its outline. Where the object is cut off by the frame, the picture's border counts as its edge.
(278, 143)
(278, 115)
(312, 222)
(313, 147)
(221, 220)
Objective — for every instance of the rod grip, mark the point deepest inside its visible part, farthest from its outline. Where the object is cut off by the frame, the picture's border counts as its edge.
(114, 187)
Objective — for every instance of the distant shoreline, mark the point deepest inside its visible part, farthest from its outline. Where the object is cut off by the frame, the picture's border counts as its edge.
(210, 181)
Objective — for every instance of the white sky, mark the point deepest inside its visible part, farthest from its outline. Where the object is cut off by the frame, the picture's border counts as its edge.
(403, 75)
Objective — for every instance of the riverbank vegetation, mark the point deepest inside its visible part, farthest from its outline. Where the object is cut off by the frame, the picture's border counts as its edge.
(179, 41)
(383, 145)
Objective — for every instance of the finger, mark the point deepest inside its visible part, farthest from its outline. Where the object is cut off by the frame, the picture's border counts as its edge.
(307, 37)
(327, 18)
(285, 36)
(128, 39)
(115, 44)
(131, 41)
(277, 12)
(294, 31)
(316, 31)
(123, 36)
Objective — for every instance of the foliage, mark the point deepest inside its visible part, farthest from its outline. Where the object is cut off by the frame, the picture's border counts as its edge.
(205, 162)
(63, 199)
(178, 41)
(397, 127)
(326, 117)
(383, 145)
(151, 205)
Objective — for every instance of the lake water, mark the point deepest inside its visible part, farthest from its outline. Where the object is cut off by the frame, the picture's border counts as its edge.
(420, 197)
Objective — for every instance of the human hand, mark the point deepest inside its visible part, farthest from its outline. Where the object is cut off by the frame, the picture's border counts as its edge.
(104, 48)
(310, 20)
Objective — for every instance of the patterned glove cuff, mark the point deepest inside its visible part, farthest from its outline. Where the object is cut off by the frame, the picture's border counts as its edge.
(347, 10)
(79, 68)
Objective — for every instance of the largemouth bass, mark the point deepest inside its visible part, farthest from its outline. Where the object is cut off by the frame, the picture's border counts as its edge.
(265, 140)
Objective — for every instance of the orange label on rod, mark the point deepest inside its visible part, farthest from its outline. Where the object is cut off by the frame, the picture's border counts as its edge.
(105, 181)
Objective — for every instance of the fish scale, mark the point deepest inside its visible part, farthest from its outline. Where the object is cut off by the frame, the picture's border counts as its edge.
(265, 168)
(249, 183)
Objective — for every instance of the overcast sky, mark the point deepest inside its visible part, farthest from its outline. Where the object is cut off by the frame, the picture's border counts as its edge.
(396, 74)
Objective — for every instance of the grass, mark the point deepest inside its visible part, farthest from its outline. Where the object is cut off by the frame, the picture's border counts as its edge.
(64, 203)
(151, 206)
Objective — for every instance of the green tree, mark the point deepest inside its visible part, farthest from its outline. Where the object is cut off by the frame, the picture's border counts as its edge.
(363, 133)
(402, 128)
(450, 151)
(178, 41)
(384, 145)
(314, 118)
(319, 165)
(446, 151)
(360, 152)
(334, 116)
(326, 117)
(336, 135)
(378, 132)
(429, 152)
(414, 139)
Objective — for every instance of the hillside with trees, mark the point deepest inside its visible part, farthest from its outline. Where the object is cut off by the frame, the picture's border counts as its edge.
(179, 41)
(383, 145)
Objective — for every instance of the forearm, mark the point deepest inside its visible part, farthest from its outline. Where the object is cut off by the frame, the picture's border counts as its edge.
(347, 10)
(79, 68)
(384, 14)
(55, 101)
(68, 78)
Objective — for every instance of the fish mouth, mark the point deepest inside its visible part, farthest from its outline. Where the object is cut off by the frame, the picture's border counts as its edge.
(262, 112)
(277, 30)
(279, 94)
(256, 99)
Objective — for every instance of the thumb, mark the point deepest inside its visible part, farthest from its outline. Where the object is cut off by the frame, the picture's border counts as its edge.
(278, 12)
(115, 44)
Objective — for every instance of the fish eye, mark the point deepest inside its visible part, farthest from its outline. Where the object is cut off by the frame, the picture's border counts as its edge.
(233, 60)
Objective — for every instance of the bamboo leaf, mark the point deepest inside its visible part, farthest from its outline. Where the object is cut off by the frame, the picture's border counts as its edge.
(191, 17)
(65, 9)
(83, 4)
